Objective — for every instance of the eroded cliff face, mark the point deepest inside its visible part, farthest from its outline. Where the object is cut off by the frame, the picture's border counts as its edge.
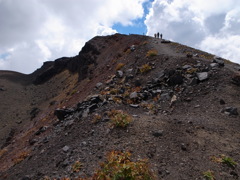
(78, 64)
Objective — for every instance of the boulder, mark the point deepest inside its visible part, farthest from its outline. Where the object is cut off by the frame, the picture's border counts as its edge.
(165, 96)
(41, 130)
(214, 65)
(138, 82)
(119, 74)
(237, 67)
(218, 60)
(193, 81)
(134, 105)
(202, 76)
(62, 113)
(95, 99)
(98, 85)
(175, 79)
(133, 95)
(222, 102)
(132, 47)
(157, 133)
(186, 67)
(65, 149)
(93, 107)
(161, 74)
(236, 79)
(231, 111)
(26, 178)
(165, 41)
(34, 112)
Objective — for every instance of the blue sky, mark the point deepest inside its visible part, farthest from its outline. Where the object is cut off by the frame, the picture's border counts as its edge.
(138, 26)
(33, 32)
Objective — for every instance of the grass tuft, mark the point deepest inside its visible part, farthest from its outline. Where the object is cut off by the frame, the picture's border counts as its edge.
(119, 118)
(145, 68)
(208, 175)
(152, 53)
(120, 66)
(228, 161)
(77, 166)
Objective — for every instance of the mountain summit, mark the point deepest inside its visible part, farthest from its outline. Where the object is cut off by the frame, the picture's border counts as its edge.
(175, 109)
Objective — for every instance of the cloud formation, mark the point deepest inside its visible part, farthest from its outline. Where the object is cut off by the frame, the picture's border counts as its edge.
(34, 31)
(212, 26)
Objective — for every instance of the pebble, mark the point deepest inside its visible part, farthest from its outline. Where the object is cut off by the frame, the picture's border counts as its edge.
(183, 147)
(157, 133)
(65, 149)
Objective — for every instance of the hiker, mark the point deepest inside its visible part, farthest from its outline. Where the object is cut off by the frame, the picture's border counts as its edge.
(158, 35)
(155, 35)
(161, 36)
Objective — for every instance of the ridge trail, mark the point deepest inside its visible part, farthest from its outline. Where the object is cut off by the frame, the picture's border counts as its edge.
(164, 48)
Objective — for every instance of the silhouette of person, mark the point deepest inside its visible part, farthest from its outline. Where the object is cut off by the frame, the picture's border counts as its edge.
(155, 35)
(161, 36)
(158, 35)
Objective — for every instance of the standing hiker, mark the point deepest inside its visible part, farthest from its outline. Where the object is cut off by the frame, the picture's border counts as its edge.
(158, 35)
(161, 36)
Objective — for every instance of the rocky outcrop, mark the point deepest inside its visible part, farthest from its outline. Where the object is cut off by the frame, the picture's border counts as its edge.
(78, 64)
(236, 79)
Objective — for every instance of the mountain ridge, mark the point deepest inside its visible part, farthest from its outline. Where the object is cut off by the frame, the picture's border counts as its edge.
(173, 92)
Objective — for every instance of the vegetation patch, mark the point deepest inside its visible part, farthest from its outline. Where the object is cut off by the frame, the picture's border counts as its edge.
(145, 68)
(208, 175)
(20, 157)
(120, 66)
(119, 118)
(229, 161)
(119, 167)
(224, 160)
(117, 100)
(192, 70)
(73, 92)
(152, 53)
(114, 91)
(96, 118)
(150, 106)
(3, 151)
(77, 166)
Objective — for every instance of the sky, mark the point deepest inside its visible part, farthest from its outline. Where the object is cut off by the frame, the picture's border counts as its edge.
(35, 31)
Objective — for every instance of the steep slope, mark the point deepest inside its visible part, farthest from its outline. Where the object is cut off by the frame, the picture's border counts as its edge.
(183, 103)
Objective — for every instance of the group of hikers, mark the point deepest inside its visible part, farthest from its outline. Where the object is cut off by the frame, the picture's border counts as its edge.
(157, 35)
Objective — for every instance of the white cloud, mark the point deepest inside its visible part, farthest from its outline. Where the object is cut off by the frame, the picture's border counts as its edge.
(212, 26)
(42, 30)
(229, 46)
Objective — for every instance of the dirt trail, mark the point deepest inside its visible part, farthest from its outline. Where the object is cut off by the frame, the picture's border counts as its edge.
(164, 48)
